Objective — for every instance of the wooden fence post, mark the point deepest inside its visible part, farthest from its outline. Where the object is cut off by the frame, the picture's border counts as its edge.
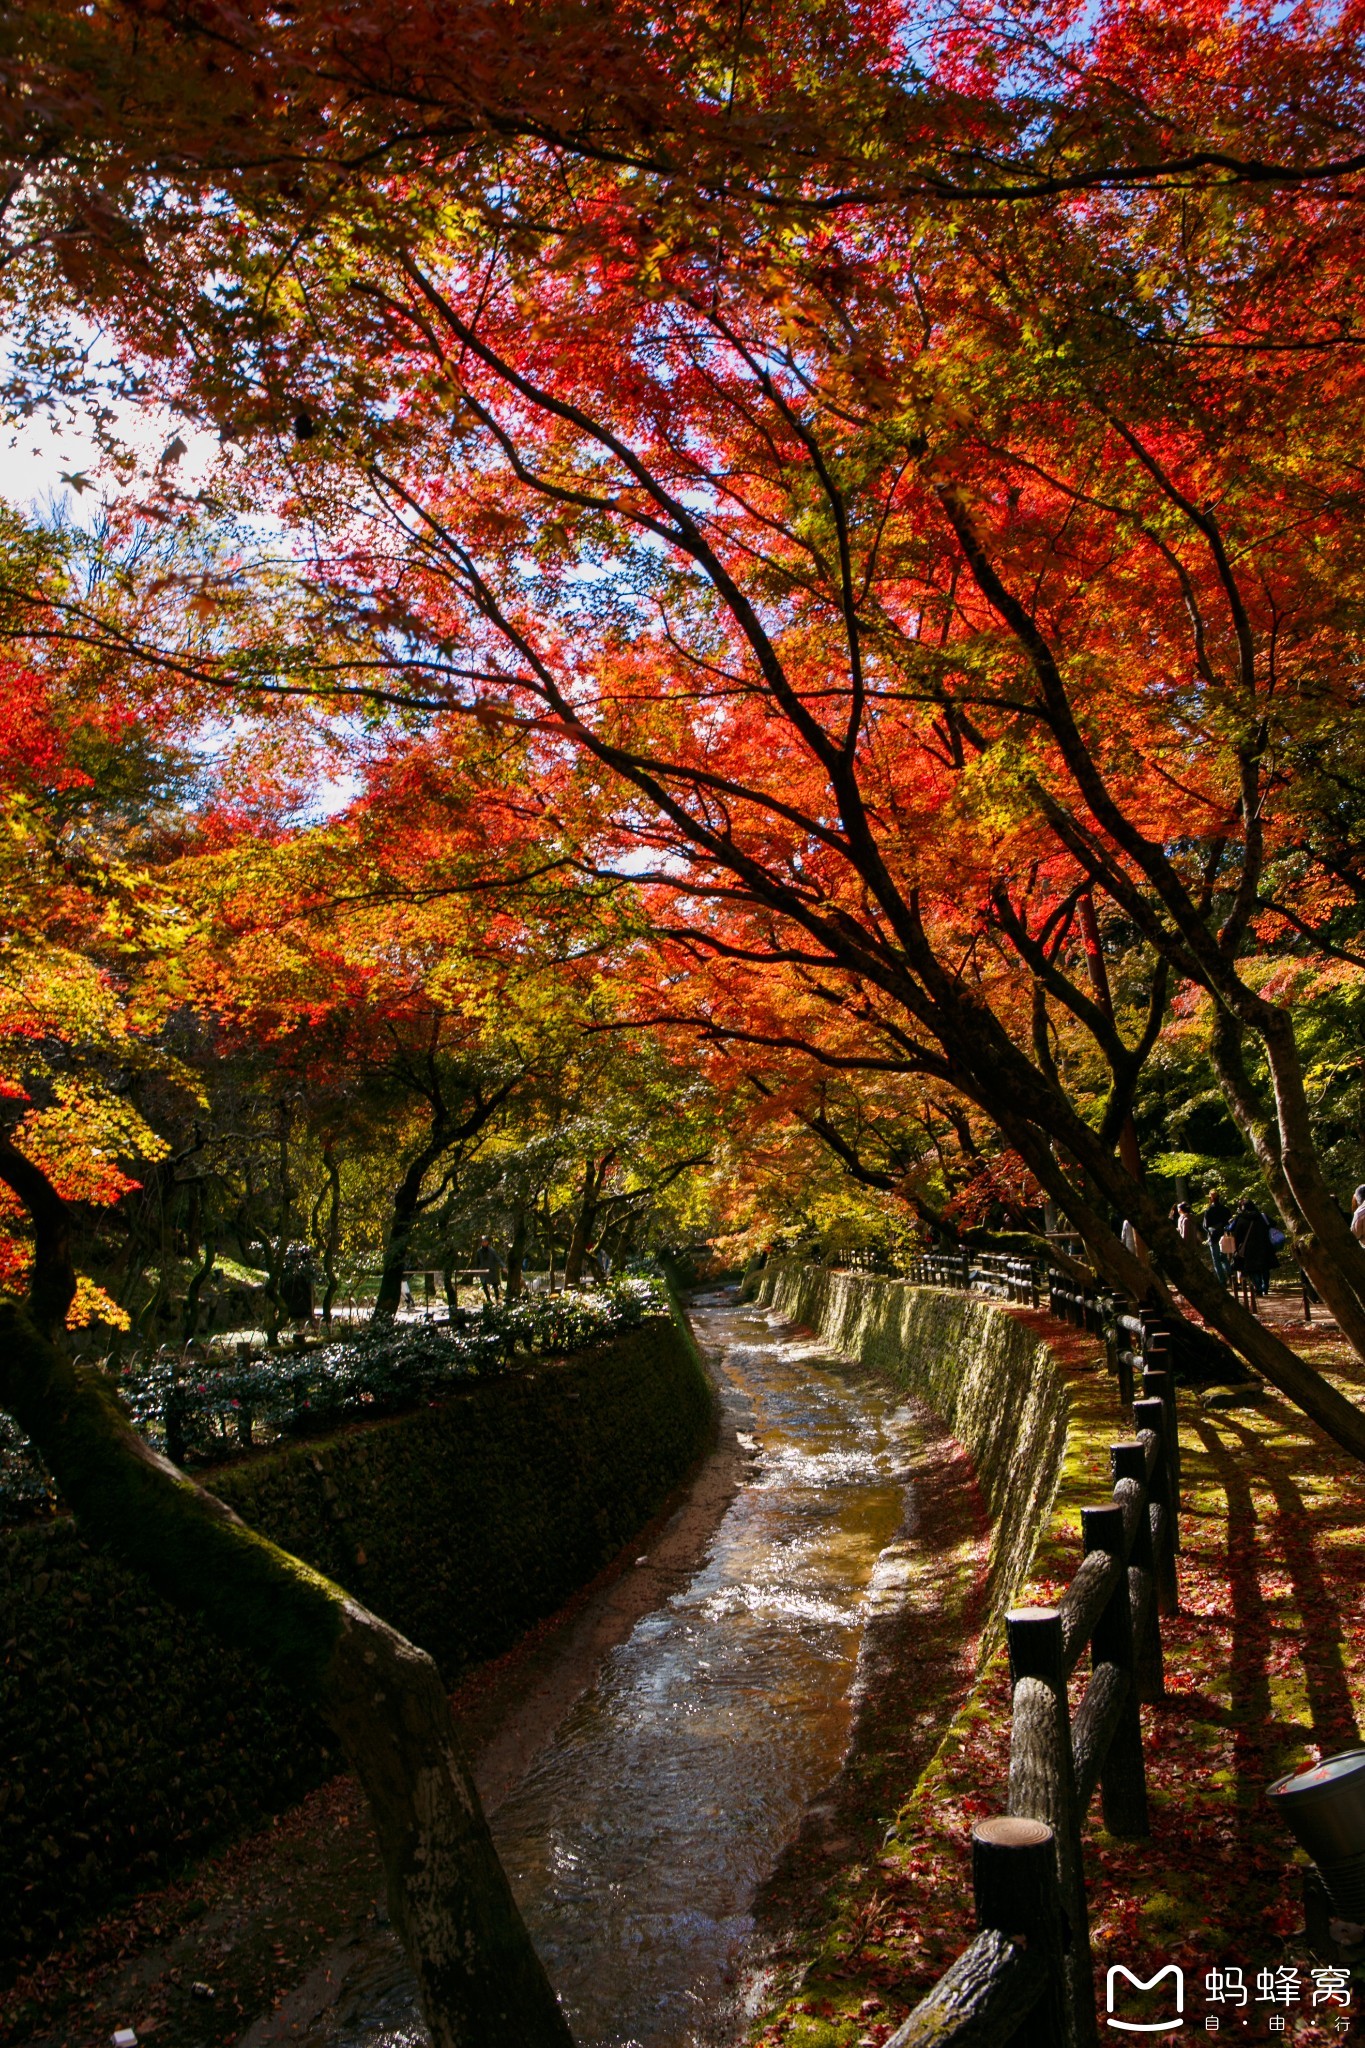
(1151, 1415)
(1158, 1385)
(1043, 1787)
(1014, 1878)
(1129, 1465)
(1123, 1327)
(1123, 1776)
(1112, 1347)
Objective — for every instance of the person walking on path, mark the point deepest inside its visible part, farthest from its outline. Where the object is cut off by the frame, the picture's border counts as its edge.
(1217, 1219)
(488, 1266)
(1254, 1249)
(1185, 1223)
(1358, 1212)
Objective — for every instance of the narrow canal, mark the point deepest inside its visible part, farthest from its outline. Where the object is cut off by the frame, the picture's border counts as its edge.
(637, 1840)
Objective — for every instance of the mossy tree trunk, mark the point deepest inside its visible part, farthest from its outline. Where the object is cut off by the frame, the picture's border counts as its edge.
(480, 1982)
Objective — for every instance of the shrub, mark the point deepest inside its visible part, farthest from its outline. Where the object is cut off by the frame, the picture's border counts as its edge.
(203, 1412)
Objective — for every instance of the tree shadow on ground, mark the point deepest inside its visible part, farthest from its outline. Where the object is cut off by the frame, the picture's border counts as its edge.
(1323, 1626)
(1254, 1546)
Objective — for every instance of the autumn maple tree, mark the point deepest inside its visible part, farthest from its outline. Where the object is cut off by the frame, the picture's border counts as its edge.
(917, 575)
(886, 491)
(77, 765)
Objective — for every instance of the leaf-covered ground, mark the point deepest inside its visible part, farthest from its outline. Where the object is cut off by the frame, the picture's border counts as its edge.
(1265, 1669)
(197, 1961)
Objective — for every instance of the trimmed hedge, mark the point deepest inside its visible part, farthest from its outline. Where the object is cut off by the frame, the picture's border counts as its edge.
(131, 1740)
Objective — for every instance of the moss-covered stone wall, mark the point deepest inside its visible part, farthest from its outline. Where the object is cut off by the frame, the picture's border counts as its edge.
(1037, 1422)
(995, 1384)
(131, 1740)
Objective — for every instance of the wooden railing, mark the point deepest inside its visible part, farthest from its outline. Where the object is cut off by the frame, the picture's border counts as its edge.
(998, 1274)
(1028, 1977)
(1134, 1338)
(1005, 1276)
(1071, 1301)
(940, 1269)
(1009, 1277)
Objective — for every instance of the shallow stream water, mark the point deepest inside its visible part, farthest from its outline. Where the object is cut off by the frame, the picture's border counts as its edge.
(637, 1840)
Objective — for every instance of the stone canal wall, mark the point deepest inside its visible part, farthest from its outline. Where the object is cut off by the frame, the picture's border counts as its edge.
(131, 1740)
(995, 1384)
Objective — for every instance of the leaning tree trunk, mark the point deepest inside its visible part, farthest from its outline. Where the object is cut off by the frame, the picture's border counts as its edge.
(1037, 1118)
(480, 1982)
(1222, 1312)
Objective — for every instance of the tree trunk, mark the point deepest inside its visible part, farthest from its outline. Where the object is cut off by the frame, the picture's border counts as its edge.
(284, 1231)
(480, 1981)
(1265, 1136)
(331, 1239)
(1339, 1253)
(190, 1313)
(585, 1217)
(548, 1225)
(1036, 1116)
(407, 1199)
(153, 1250)
(1097, 968)
(1318, 1398)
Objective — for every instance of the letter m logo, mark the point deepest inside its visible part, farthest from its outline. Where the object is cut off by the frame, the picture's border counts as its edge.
(1166, 2025)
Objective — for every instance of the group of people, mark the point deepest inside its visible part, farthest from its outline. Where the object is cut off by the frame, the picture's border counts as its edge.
(1240, 1240)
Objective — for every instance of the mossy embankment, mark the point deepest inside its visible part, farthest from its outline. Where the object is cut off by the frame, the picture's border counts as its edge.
(1265, 1663)
(133, 1741)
